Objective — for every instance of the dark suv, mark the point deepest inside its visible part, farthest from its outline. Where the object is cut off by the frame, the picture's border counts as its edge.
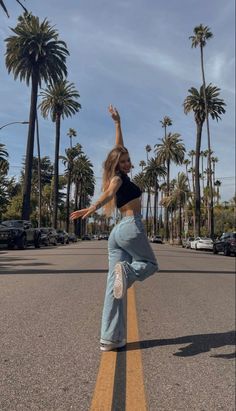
(226, 244)
(62, 237)
(19, 233)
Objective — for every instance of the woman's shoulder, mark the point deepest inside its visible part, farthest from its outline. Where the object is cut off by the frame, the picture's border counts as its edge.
(117, 178)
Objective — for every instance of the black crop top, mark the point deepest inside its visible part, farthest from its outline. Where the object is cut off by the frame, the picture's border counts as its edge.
(128, 191)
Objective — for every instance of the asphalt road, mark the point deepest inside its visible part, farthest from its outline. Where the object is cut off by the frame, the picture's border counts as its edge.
(50, 309)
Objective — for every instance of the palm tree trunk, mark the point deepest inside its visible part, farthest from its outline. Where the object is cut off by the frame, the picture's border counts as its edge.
(155, 208)
(30, 149)
(211, 220)
(56, 172)
(79, 224)
(76, 206)
(39, 173)
(147, 211)
(197, 180)
(202, 176)
(187, 176)
(166, 212)
(68, 201)
(180, 224)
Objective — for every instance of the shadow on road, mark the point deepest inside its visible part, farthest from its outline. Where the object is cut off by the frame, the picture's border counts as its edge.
(48, 271)
(197, 344)
(8, 269)
(197, 271)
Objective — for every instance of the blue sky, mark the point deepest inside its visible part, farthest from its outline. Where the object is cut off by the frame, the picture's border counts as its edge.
(137, 55)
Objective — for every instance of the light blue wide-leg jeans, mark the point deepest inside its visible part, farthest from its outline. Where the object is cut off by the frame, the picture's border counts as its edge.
(127, 242)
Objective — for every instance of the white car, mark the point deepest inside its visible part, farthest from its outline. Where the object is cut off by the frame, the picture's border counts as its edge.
(202, 243)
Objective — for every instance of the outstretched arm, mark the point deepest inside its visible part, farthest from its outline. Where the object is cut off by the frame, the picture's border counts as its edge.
(103, 199)
(116, 117)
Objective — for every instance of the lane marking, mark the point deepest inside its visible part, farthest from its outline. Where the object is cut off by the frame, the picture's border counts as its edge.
(135, 391)
(103, 394)
(121, 372)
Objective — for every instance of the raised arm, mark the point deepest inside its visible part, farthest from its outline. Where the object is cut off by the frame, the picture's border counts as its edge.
(116, 117)
(103, 199)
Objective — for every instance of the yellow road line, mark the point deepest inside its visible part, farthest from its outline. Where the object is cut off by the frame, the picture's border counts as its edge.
(135, 392)
(103, 394)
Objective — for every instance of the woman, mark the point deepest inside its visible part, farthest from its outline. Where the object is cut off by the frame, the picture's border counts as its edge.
(130, 255)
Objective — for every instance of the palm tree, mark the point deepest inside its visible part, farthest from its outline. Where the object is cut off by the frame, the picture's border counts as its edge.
(153, 171)
(4, 165)
(186, 162)
(148, 148)
(217, 184)
(142, 164)
(195, 102)
(201, 35)
(180, 194)
(83, 178)
(169, 150)
(34, 54)
(69, 160)
(166, 122)
(60, 101)
(71, 133)
(203, 154)
(163, 194)
(2, 4)
(214, 160)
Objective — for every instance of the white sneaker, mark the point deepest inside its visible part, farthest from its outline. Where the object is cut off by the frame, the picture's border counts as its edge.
(120, 283)
(112, 346)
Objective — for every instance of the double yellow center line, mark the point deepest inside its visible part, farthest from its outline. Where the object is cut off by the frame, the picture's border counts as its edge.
(129, 361)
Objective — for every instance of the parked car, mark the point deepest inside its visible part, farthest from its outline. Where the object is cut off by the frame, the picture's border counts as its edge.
(48, 236)
(202, 243)
(53, 235)
(225, 244)
(103, 236)
(19, 233)
(86, 237)
(186, 243)
(62, 237)
(73, 238)
(45, 236)
(156, 239)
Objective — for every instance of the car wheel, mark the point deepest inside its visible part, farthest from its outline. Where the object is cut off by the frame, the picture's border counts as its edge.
(226, 251)
(22, 243)
(196, 247)
(215, 250)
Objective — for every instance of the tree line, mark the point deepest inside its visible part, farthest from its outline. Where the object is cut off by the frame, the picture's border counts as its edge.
(36, 55)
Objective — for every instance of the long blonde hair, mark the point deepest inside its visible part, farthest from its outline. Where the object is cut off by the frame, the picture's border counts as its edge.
(110, 169)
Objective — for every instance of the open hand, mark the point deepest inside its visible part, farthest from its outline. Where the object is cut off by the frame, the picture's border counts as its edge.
(84, 213)
(114, 113)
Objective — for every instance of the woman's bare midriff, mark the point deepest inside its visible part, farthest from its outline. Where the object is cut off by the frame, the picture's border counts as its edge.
(133, 207)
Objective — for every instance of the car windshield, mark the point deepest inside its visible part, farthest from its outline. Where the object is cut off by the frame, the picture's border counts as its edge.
(13, 223)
